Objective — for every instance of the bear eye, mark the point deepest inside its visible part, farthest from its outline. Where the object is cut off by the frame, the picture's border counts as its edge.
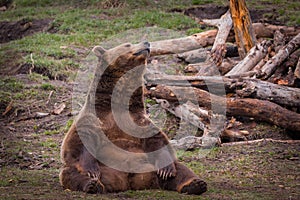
(127, 45)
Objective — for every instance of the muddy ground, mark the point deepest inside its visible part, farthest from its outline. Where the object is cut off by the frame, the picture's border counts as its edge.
(31, 135)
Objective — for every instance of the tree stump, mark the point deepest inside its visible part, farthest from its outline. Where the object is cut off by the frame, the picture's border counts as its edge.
(244, 33)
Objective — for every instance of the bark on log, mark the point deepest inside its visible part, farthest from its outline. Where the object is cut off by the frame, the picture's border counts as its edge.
(254, 88)
(194, 56)
(224, 25)
(215, 84)
(264, 30)
(284, 72)
(183, 112)
(193, 142)
(260, 110)
(208, 69)
(255, 55)
(279, 40)
(180, 45)
(200, 55)
(244, 34)
(261, 141)
(207, 38)
(213, 125)
(269, 68)
(297, 70)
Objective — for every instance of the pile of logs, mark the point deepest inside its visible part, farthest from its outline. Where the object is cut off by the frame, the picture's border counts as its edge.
(241, 69)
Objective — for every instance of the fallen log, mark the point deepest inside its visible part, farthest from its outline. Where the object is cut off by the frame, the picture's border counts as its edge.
(260, 110)
(244, 87)
(208, 69)
(215, 84)
(212, 125)
(183, 112)
(284, 72)
(255, 55)
(269, 68)
(264, 30)
(193, 142)
(224, 25)
(200, 55)
(194, 56)
(279, 94)
(207, 38)
(261, 141)
(180, 45)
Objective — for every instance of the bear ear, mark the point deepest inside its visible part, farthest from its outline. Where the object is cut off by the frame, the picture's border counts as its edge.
(99, 51)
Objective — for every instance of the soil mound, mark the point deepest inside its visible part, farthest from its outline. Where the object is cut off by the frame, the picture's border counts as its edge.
(17, 30)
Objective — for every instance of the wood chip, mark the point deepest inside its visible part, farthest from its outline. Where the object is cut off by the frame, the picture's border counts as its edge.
(58, 109)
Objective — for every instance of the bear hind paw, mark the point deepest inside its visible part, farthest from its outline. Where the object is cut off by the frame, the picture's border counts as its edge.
(93, 187)
(196, 187)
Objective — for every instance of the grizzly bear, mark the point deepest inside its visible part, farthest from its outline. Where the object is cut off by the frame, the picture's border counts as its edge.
(112, 146)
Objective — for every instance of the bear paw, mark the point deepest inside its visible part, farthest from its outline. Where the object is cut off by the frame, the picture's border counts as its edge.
(93, 187)
(197, 187)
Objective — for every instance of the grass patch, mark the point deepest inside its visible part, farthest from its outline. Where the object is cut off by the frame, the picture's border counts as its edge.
(47, 86)
(11, 84)
(51, 132)
(50, 143)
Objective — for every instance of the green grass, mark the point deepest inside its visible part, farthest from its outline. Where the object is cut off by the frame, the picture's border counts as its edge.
(78, 25)
(87, 24)
(47, 86)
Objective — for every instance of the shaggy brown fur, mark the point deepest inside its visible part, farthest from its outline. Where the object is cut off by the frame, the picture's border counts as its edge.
(97, 150)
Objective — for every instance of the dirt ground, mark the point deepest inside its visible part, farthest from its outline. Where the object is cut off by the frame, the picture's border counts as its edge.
(31, 135)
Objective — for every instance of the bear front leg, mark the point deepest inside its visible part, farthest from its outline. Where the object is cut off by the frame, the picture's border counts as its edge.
(165, 170)
(164, 157)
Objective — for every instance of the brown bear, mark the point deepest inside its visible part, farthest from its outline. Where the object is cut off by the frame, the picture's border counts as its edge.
(112, 146)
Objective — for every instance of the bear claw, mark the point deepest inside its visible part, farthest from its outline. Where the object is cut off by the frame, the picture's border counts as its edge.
(167, 172)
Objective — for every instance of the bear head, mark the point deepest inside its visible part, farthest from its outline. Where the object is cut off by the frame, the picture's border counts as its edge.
(123, 57)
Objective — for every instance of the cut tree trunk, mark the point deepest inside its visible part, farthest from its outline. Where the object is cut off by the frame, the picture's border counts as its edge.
(255, 55)
(269, 68)
(260, 110)
(244, 33)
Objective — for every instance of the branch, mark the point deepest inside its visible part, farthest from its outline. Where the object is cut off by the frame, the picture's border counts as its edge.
(255, 55)
(269, 68)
